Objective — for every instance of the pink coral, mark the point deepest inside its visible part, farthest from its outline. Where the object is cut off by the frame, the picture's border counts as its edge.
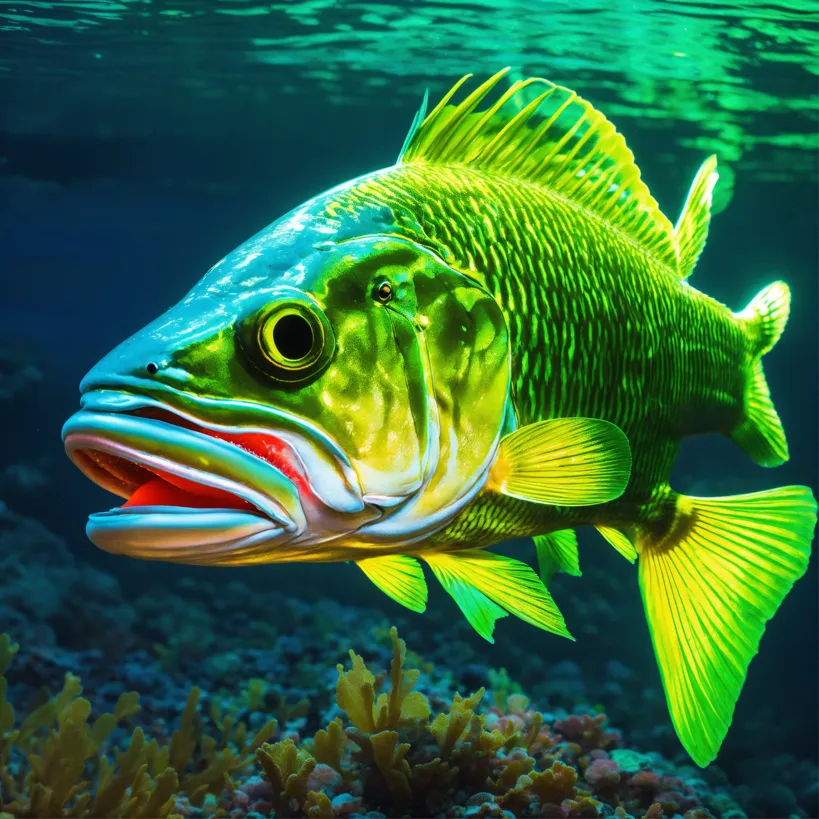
(324, 778)
(603, 774)
(588, 732)
(647, 780)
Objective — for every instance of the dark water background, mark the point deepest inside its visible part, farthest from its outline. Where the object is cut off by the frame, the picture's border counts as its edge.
(119, 188)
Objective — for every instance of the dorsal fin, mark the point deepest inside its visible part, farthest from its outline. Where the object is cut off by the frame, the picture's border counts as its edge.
(691, 229)
(420, 116)
(556, 141)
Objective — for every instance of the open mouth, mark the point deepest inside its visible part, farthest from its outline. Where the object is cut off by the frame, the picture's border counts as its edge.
(193, 492)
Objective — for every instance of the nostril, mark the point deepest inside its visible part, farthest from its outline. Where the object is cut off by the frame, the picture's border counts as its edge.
(152, 368)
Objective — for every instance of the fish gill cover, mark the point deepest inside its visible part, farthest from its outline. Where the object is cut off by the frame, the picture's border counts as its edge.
(209, 692)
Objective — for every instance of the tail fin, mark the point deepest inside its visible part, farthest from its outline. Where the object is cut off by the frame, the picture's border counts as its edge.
(709, 587)
(760, 432)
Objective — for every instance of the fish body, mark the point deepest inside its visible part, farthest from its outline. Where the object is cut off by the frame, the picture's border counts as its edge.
(493, 338)
(598, 326)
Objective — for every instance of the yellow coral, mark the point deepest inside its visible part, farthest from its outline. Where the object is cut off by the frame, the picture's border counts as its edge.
(328, 746)
(449, 728)
(555, 784)
(355, 693)
(288, 770)
(318, 805)
(389, 757)
(58, 763)
(221, 758)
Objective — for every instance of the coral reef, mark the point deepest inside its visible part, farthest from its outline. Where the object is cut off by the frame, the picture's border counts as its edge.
(196, 701)
(395, 743)
(47, 598)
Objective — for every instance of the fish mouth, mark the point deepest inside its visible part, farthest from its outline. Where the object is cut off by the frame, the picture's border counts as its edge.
(195, 492)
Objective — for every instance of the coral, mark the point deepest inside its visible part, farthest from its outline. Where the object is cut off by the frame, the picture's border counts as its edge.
(355, 692)
(587, 731)
(288, 770)
(64, 770)
(212, 760)
(394, 743)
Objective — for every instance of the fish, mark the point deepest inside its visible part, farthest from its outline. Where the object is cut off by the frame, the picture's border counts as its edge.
(493, 338)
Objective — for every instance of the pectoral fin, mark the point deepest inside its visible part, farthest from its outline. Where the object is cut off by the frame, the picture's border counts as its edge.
(399, 577)
(563, 462)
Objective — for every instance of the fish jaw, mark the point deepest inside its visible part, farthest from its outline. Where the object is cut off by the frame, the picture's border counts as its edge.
(202, 493)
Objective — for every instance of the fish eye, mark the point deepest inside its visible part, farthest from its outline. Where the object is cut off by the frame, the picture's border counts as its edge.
(289, 341)
(384, 292)
(292, 336)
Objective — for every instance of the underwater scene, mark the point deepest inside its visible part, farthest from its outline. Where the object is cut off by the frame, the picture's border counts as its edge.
(409, 409)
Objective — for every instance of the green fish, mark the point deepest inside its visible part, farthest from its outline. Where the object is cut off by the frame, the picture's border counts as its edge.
(493, 338)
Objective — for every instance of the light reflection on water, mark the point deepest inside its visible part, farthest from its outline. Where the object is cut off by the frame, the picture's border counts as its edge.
(736, 78)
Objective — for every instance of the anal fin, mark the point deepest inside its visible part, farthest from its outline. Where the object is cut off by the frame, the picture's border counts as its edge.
(502, 581)
(709, 586)
(621, 542)
(557, 552)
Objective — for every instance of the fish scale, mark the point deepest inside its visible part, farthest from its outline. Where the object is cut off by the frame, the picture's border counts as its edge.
(572, 354)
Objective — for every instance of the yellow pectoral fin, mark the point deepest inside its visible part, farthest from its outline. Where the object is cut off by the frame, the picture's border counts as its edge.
(557, 552)
(709, 588)
(399, 577)
(563, 462)
(505, 582)
(619, 541)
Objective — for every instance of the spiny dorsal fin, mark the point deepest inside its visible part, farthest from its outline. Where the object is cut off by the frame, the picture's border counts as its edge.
(556, 141)
(557, 552)
(499, 581)
(399, 577)
(691, 229)
(420, 116)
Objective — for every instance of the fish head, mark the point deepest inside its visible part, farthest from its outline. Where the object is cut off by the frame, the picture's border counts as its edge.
(308, 394)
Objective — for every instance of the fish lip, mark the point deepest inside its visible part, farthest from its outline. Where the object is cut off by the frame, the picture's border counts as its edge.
(222, 536)
(133, 438)
(341, 492)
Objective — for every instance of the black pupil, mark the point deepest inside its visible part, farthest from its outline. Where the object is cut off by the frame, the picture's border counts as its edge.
(385, 291)
(293, 337)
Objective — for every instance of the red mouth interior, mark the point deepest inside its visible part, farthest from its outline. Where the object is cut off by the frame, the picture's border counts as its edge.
(164, 489)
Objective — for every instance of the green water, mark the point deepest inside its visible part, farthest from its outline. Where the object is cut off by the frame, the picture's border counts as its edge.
(738, 78)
